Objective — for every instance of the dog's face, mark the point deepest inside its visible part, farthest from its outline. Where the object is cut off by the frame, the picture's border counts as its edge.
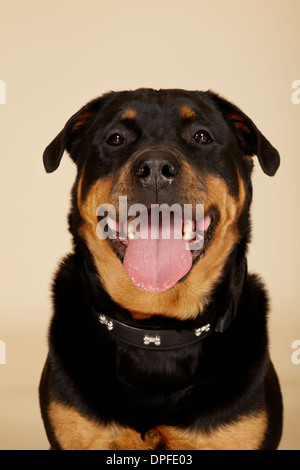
(171, 147)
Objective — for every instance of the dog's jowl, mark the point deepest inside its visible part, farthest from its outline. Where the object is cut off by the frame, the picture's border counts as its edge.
(160, 341)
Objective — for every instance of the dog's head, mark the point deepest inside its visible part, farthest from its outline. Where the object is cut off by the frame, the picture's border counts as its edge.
(172, 149)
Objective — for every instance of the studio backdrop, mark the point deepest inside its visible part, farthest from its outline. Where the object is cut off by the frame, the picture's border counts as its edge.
(57, 55)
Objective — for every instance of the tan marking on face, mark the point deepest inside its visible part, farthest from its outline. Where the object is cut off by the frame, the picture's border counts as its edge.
(129, 114)
(79, 187)
(100, 193)
(187, 112)
(187, 298)
(242, 194)
(74, 431)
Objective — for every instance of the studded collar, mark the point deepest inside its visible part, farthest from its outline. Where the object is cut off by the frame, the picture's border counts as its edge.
(155, 339)
(160, 339)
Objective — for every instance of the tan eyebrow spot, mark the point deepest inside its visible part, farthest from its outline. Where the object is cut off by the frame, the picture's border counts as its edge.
(129, 114)
(187, 112)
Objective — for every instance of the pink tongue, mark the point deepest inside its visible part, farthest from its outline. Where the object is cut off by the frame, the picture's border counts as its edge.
(156, 265)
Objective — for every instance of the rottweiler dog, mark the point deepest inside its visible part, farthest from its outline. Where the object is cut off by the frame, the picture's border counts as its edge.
(160, 343)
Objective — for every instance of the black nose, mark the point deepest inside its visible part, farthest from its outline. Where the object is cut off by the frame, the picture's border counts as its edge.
(156, 169)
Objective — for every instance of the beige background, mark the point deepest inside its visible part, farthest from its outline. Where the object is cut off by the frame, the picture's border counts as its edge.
(55, 56)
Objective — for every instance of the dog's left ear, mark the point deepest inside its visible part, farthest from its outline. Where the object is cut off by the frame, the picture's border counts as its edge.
(249, 138)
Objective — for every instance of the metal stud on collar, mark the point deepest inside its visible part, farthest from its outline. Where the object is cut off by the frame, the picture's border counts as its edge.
(104, 321)
(199, 331)
(152, 339)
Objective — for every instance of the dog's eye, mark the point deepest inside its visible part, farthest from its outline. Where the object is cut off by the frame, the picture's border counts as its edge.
(116, 139)
(202, 137)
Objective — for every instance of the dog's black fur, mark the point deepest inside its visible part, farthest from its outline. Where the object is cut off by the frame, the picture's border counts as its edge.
(211, 383)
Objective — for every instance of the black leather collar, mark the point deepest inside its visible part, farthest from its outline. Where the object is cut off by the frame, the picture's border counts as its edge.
(155, 339)
(159, 339)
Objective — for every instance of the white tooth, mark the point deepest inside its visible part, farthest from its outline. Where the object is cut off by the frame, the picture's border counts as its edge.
(187, 230)
(188, 226)
(131, 230)
(187, 235)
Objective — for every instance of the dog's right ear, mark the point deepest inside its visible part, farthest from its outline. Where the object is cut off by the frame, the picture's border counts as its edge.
(71, 133)
(63, 141)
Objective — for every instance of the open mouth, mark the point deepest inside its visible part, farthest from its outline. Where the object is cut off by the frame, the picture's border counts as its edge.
(158, 254)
